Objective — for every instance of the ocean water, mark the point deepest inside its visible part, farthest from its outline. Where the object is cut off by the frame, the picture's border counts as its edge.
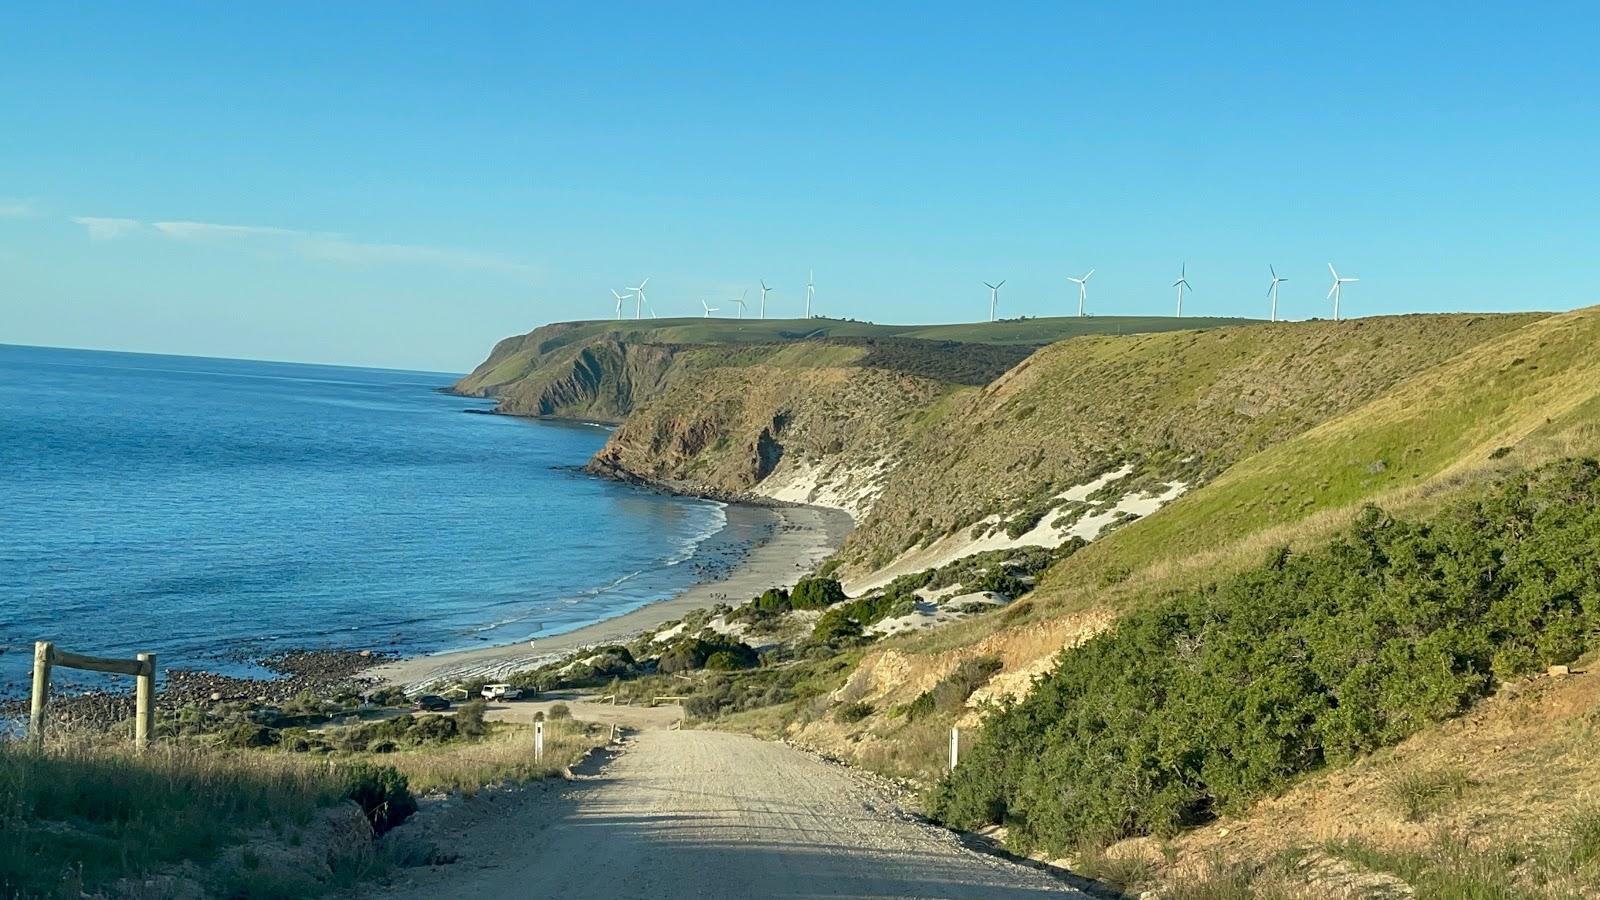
(215, 510)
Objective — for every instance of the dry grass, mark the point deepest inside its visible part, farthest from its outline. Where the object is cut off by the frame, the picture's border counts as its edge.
(1501, 802)
(506, 755)
(88, 810)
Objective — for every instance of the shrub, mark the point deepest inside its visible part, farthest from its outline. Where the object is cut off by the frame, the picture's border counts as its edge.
(816, 593)
(469, 718)
(920, 708)
(952, 691)
(773, 600)
(248, 735)
(1217, 695)
(853, 712)
(692, 653)
(559, 711)
(1001, 582)
(383, 794)
(835, 626)
(388, 696)
(702, 706)
(727, 661)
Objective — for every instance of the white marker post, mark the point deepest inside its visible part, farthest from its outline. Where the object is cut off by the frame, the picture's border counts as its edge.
(955, 747)
(538, 741)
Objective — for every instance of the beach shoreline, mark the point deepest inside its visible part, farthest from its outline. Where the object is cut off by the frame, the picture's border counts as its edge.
(796, 540)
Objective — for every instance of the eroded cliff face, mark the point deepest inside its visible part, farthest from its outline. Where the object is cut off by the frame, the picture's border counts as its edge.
(778, 429)
(547, 373)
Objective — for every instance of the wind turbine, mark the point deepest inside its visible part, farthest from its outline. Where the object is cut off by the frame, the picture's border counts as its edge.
(1273, 291)
(1182, 284)
(764, 290)
(740, 300)
(638, 297)
(994, 296)
(1083, 288)
(620, 298)
(810, 290)
(709, 308)
(1334, 291)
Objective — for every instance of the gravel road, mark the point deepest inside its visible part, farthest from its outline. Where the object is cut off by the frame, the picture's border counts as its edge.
(706, 814)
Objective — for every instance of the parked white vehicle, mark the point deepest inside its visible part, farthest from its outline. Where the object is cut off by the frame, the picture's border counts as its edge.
(501, 692)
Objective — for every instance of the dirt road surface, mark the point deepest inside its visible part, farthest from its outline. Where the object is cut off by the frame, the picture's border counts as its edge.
(706, 814)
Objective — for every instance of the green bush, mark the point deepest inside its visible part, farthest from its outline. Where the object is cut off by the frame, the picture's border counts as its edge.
(689, 654)
(469, 718)
(382, 793)
(835, 626)
(951, 693)
(853, 712)
(1198, 704)
(559, 711)
(250, 735)
(816, 593)
(1001, 582)
(773, 600)
(727, 661)
(920, 708)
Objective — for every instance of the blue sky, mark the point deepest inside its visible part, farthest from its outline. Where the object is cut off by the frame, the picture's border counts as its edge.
(402, 184)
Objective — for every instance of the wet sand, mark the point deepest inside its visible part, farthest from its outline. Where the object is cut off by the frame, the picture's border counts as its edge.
(788, 542)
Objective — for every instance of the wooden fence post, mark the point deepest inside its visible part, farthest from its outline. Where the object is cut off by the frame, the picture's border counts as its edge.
(41, 691)
(538, 741)
(145, 701)
(955, 747)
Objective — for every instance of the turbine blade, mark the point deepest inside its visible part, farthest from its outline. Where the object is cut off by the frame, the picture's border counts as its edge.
(1089, 276)
(1332, 271)
(1332, 291)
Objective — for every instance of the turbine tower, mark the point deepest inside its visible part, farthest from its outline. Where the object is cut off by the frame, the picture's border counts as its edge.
(1334, 291)
(994, 296)
(1273, 291)
(620, 298)
(709, 308)
(1182, 284)
(1083, 289)
(764, 291)
(739, 300)
(638, 297)
(811, 289)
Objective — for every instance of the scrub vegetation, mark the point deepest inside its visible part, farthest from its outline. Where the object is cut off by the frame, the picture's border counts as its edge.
(1202, 702)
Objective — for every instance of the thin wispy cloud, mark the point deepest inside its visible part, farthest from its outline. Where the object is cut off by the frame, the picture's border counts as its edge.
(323, 246)
(200, 231)
(15, 209)
(103, 228)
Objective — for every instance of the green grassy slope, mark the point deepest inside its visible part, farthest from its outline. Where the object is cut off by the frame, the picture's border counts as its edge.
(1180, 406)
(1524, 397)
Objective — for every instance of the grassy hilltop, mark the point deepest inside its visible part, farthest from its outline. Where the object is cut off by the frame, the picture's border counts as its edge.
(606, 369)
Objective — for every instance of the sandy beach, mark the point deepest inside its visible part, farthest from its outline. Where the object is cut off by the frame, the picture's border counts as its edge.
(788, 542)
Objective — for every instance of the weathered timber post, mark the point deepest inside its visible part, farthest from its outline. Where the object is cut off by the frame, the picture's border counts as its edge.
(41, 691)
(46, 657)
(144, 695)
(955, 747)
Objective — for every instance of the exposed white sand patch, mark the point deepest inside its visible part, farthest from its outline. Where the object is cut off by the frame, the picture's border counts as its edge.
(836, 485)
(931, 613)
(1048, 533)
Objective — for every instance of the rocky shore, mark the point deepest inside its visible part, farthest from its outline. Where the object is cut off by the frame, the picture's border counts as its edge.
(322, 673)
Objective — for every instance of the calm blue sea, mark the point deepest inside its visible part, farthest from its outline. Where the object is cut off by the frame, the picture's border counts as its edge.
(210, 510)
